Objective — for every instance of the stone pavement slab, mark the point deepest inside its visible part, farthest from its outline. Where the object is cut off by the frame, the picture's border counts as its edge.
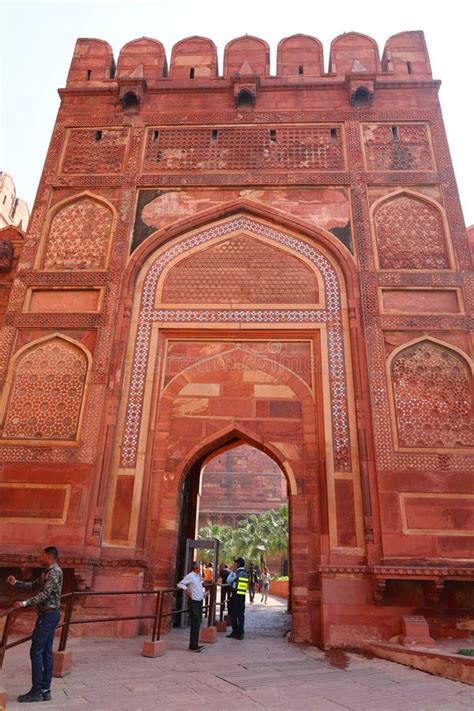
(264, 671)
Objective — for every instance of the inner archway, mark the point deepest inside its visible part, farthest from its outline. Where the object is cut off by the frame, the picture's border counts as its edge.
(238, 494)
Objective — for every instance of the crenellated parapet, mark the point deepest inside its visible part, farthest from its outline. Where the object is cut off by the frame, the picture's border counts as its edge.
(299, 57)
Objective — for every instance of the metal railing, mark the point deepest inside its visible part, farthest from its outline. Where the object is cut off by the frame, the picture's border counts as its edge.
(158, 614)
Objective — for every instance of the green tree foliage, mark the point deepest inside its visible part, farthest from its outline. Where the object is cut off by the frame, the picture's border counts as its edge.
(225, 536)
(254, 539)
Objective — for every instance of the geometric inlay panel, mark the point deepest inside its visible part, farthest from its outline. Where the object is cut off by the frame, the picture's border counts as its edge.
(410, 235)
(90, 151)
(241, 270)
(46, 393)
(399, 147)
(244, 148)
(432, 395)
(79, 236)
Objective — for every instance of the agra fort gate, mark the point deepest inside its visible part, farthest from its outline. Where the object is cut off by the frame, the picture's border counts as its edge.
(272, 260)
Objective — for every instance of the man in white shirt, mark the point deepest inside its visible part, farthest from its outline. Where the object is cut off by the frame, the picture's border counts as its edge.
(192, 583)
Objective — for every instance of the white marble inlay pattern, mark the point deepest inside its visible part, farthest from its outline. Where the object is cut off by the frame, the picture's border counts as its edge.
(331, 315)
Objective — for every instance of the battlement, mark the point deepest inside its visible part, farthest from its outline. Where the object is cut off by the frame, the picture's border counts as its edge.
(299, 59)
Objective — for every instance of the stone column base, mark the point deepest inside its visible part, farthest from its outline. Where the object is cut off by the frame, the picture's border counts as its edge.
(62, 664)
(154, 649)
(221, 626)
(208, 635)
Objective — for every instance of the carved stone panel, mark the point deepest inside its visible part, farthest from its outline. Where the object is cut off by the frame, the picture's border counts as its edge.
(432, 395)
(46, 392)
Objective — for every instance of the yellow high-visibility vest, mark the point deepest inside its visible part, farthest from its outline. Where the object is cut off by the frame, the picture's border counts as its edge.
(241, 585)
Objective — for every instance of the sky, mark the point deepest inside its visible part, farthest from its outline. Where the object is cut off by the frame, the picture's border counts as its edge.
(38, 37)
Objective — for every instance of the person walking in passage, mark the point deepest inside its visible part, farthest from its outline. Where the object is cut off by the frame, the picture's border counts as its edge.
(265, 583)
(192, 583)
(47, 602)
(208, 573)
(224, 574)
(237, 582)
(253, 582)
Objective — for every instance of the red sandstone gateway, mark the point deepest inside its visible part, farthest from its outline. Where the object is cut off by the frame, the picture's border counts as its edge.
(277, 261)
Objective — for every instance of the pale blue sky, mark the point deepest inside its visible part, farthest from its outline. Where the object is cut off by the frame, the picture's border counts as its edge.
(38, 39)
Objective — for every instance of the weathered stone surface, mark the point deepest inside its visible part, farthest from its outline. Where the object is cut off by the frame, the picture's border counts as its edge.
(246, 260)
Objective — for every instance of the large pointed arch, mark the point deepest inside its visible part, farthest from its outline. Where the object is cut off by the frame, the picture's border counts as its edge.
(332, 314)
(165, 427)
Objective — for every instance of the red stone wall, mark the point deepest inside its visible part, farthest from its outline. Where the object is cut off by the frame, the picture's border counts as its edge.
(240, 482)
(278, 261)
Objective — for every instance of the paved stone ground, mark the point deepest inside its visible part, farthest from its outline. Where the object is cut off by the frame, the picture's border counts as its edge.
(262, 672)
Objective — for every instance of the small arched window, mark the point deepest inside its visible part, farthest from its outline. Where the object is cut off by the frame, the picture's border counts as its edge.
(130, 100)
(361, 97)
(245, 100)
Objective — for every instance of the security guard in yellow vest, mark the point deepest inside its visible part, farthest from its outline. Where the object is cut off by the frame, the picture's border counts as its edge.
(238, 583)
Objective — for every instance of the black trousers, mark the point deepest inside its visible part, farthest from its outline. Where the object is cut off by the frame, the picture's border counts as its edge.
(195, 614)
(237, 612)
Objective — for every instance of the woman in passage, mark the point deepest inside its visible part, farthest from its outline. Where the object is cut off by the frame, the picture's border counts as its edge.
(265, 584)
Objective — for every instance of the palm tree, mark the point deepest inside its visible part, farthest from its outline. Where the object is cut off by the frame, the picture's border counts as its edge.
(225, 536)
(254, 538)
(250, 539)
(275, 524)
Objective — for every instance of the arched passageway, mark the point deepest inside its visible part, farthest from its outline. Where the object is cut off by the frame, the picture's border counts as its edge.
(239, 496)
(239, 334)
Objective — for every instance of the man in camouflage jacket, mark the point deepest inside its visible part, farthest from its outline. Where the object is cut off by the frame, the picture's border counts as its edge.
(47, 602)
